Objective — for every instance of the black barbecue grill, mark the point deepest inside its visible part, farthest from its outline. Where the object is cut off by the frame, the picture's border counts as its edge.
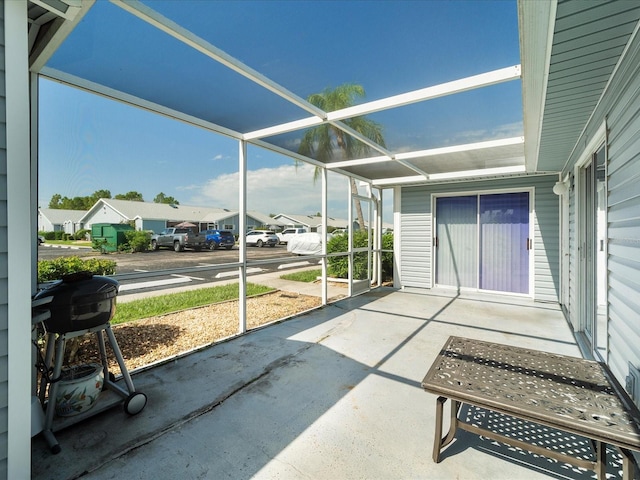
(78, 304)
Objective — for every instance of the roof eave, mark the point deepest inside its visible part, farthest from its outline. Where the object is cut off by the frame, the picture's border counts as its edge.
(536, 21)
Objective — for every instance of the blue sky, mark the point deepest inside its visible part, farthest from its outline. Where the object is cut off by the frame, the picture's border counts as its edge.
(89, 143)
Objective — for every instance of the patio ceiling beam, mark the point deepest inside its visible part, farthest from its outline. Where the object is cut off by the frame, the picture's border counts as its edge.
(402, 157)
(478, 173)
(461, 148)
(456, 86)
(187, 37)
(459, 175)
(436, 91)
(112, 94)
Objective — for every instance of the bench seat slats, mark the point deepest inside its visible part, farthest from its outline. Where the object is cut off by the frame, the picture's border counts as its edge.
(573, 394)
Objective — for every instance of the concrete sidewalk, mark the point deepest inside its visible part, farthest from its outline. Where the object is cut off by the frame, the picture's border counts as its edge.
(332, 394)
(335, 290)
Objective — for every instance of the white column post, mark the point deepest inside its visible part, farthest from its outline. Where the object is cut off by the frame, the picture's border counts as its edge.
(324, 235)
(18, 281)
(350, 241)
(378, 237)
(242, 237)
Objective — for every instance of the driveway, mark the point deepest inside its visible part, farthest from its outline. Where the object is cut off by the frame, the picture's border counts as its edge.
(165, 259)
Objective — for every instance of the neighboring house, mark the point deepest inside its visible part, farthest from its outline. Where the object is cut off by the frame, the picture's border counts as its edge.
(158, 216)
(58, 220)
(257, 219)
(314, 222)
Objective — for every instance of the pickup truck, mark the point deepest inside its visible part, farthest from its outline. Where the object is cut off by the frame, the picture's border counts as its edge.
(287, 233)
(214, 239)
(178, 239)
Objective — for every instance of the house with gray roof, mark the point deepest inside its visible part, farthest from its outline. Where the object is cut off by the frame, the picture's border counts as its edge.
(314, 222)
(59, 220)
(158, 216)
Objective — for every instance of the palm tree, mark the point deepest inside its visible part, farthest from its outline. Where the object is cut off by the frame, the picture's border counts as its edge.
(326, 141)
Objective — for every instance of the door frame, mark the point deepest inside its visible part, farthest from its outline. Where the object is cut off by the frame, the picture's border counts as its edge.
(598, 140)
(495, 191)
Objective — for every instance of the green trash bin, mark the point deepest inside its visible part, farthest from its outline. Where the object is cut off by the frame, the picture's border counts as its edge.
(113, 234)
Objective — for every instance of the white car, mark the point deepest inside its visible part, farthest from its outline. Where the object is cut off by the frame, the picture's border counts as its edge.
(260, 238)
(288, 233)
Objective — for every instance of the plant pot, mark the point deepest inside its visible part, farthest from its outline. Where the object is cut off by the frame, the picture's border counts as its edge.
(78, 389)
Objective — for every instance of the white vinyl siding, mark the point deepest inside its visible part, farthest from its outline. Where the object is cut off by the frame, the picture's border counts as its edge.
(416, 232)
(415, 224)
(620, 106)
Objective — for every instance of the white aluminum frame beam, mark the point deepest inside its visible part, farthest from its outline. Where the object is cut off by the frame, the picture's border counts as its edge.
(456, 86)
(112, 94)
(162, 23)
(505, 142)
(462, 174)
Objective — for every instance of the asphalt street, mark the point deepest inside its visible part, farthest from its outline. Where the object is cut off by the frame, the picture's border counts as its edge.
(162, 269)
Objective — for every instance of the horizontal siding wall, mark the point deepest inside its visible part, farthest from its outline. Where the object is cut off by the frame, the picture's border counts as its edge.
(416, 231)
(624, 227)
(620, 106)
(415, 225)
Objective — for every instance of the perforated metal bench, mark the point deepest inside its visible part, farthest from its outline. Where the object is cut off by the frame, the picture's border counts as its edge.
(571, 394)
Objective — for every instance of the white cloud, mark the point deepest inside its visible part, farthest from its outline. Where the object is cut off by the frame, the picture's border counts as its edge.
(283, 189)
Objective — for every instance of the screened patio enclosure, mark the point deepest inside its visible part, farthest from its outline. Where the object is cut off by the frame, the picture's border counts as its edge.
(200, 63)
(176, 59)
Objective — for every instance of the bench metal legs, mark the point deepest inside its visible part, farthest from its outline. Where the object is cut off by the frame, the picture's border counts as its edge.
(439, 442)
(600, 448)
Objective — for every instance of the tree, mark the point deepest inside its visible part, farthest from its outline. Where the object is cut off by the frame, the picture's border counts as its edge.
(77, 203)
(326, 141)
(133, 196)
(98, 194)
(55, 201)
(162, 198)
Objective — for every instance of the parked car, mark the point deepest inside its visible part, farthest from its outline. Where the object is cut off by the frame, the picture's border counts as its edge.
(287, 233)
(178, 239)
(260, 238)
(214, 239)
(40, 240)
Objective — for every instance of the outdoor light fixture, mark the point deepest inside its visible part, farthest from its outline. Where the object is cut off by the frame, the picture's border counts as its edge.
(560, 188)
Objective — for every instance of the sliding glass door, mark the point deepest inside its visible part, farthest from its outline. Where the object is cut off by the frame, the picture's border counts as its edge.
(457, 241)
(483, 241)
(504, 242)
(593, 255)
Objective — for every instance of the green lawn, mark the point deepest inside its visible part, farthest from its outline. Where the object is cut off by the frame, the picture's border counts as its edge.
(307, 276)
(173, 302)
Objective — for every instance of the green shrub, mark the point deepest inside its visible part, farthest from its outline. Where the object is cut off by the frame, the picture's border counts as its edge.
(387, 257)
(55, 269)
(338, 267)
(137, 241)
(81, 234)
(100, 244)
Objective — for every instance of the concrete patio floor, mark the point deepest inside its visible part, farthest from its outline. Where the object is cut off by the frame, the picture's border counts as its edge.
(332, 394)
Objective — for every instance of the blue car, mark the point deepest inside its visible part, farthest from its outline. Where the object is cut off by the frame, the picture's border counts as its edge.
(215, 239)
